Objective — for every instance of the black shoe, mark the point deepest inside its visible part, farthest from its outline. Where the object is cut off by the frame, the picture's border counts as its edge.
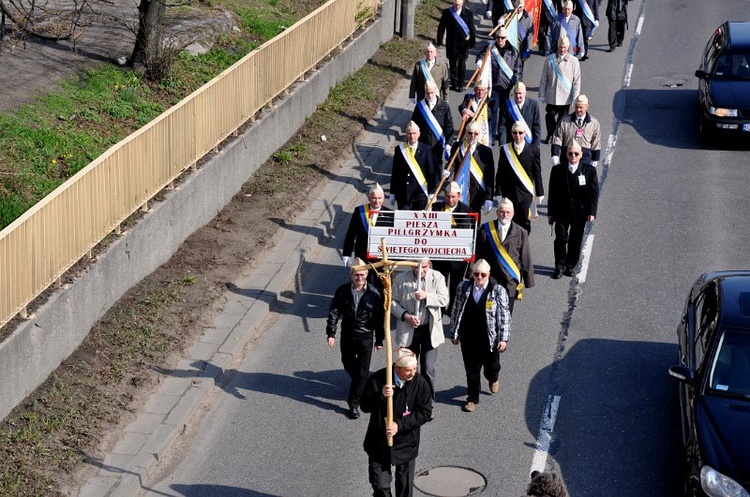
(546, 140)
(354, 413)
(611, 49)
(619, 43)
(568, 272)
(557, 274)
(585, 57)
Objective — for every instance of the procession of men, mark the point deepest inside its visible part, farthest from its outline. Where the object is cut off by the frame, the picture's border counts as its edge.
(482, 172)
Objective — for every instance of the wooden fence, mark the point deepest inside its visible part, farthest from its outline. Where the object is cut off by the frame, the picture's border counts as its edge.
(48, 239)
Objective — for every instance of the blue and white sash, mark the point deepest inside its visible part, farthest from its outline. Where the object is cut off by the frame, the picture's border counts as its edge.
(560, 76)
(427, 75)
(460, 21)
(515, 114)
(432, 123)
(501, 62)
(508, 5)
(586, 8)
(550, 8)
(571, 35)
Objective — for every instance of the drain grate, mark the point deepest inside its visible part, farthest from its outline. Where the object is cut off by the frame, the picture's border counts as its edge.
(449, 481)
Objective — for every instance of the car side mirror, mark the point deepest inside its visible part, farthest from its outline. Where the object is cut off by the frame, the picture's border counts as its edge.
(682, 373)
(700, 73)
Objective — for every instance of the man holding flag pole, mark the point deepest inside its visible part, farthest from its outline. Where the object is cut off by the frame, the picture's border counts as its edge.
(475, 172)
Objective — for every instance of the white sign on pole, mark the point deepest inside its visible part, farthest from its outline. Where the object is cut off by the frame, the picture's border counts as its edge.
(441, 236)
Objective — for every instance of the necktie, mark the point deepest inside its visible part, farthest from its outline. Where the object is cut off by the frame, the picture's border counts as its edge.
(580, 122)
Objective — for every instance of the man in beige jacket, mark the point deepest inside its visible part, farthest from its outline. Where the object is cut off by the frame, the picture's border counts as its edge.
(560, 85)
(418, 296)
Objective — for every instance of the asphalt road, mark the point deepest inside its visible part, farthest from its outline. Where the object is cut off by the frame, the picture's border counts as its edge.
(596, 349)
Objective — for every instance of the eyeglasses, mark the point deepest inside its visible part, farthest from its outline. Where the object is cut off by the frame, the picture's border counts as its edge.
(480, 275)
(518, 132)
(500, 37)
(472, 133)
(574, 154)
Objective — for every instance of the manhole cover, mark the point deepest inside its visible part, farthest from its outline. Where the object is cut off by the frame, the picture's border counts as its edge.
(449, 481)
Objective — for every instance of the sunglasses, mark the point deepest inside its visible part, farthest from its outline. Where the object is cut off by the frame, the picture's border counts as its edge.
(472, 133)
(518, 132)
(574, 154)
(500, 37)
(480, 275)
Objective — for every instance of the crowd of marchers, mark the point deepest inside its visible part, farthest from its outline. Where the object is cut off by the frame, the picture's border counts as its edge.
(451, 167)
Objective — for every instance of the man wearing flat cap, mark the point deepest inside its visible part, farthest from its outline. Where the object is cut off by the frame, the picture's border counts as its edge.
(359, 307)
(412, 407)
(480, 322)
(581, 127)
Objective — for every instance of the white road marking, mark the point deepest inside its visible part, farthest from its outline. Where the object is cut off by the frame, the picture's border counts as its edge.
(585, 258)
(640, 25)
(611, 142)
(549, 415)
(628, 73)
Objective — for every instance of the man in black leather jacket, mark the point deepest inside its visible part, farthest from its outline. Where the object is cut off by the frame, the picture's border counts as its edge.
(359, 307)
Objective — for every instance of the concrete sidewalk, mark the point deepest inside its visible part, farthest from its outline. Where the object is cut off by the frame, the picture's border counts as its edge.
(170, 411)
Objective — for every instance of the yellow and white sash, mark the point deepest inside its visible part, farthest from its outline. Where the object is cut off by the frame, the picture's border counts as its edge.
(414, 166)
(515, 164)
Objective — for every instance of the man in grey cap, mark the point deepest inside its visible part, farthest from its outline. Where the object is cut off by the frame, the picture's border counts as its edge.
(414, 175)
(569, 25)
(480, 322)
(521, 108)
(364, 217)
(412, 406)
(582, 127)
(428, 70)
(359, 307)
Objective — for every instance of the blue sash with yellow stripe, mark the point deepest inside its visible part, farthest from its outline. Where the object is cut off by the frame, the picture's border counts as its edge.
(503, 257)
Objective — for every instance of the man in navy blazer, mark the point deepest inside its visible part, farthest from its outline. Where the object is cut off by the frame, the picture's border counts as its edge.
(478, 197)
(414, 174)
(439, 109)
(460, 37)
(529, 111)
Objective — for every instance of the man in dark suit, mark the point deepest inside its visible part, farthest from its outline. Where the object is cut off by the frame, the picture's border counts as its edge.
(617, 17)
(573, 199)
(520, 185)
(547, 14)
(505, 64)
(475, 170)
(453, 271)
(363, 217)
(414, 175)
(502, 239)
(588, 12)
(433, 116)
(521, 108)
(457, 25)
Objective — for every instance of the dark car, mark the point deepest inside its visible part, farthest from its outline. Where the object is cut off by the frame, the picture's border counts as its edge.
(724, 82)
(714, 387)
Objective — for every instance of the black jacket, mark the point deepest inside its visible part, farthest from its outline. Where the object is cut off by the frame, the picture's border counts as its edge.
(415, 398)
(366, 320)
(442, 114)
(358, 232)
(456, 44)
(572, 197)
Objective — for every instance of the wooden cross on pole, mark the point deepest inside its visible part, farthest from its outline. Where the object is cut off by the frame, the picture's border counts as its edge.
(388, 266)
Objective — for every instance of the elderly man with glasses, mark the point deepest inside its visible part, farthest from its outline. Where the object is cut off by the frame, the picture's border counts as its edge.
(519, 176)
(475, 170)
(480, 322)
(573, 198)
(505, 68)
